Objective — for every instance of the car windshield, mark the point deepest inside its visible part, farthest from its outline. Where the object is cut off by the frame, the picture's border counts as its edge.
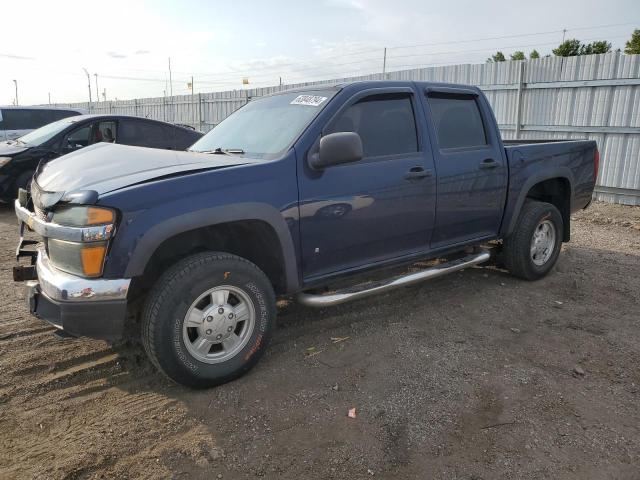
(265, 127)
(44, 134)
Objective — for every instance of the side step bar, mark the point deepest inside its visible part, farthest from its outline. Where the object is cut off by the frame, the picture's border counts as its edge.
(313, 300)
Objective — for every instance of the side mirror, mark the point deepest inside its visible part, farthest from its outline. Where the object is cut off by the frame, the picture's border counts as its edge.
(336, 149)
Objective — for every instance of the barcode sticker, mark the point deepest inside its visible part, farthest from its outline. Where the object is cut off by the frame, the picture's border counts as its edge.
(310, 100)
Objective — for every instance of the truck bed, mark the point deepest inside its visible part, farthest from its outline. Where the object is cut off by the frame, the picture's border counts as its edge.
(573, 160)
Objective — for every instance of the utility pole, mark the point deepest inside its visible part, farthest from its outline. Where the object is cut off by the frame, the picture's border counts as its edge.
(384, 62)
(564, 32)
(281, 82)
(49, 98)
(89, 84)
(104, 94)
(97, 90)
(16, 84)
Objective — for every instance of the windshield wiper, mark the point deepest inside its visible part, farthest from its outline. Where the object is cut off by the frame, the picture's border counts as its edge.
(226, 151)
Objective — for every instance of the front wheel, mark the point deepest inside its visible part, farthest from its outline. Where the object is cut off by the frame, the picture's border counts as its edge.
(532, 250)
(208, 319)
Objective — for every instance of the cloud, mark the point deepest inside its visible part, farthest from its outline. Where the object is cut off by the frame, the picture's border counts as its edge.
(15, 57)
(116, 55)
(141, 52)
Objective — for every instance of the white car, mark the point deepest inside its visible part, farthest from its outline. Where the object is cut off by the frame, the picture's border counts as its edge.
(16, 121)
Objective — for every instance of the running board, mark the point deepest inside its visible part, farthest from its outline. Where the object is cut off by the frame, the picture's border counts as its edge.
(336, 298)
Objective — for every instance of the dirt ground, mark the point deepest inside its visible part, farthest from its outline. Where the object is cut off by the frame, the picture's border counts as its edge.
(472, 376)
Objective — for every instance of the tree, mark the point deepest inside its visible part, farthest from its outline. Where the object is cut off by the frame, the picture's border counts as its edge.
(633, 45)
(534, 54)
(517, 55)
(498, 57)
(601, 46)
(568, 48)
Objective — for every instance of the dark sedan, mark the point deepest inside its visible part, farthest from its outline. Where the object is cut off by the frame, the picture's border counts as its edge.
(19, 158)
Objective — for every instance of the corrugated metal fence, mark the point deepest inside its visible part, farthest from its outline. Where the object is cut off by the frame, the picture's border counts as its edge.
(586, 97)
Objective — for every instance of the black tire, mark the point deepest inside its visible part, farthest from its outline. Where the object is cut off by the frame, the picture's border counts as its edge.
(172, 297)
(517, 247)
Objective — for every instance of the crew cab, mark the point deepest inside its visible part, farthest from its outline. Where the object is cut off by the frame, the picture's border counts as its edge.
(302, 193)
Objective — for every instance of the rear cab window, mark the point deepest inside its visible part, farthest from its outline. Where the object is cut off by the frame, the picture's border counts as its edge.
(457, 120)
(386, 124)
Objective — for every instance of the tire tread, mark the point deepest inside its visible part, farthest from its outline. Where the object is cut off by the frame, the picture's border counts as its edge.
(164, 287)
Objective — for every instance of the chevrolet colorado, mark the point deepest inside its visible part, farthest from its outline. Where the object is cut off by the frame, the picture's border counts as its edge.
(289, 195)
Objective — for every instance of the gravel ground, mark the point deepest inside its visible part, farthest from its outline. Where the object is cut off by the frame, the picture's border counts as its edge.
(472, 376)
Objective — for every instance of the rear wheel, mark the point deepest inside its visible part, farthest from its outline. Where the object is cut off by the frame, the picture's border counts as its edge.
(208, 319)
(533, 248)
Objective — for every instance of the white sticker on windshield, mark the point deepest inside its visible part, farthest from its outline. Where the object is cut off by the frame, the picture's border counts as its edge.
(311, 100)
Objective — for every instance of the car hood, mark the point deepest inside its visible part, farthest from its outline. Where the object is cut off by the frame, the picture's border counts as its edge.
(106, 167)
(9, 149)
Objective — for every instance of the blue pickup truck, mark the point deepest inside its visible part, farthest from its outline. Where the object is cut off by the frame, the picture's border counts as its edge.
(291, 195)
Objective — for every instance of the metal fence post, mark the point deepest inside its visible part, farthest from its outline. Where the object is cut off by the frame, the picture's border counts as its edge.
(521, 70)
(200, 111)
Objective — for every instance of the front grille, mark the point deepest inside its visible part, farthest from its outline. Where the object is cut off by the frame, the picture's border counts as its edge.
(41, 214)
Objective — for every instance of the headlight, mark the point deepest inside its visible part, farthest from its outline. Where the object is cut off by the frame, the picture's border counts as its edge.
(80, 258)
(83, 216)
(4, 160)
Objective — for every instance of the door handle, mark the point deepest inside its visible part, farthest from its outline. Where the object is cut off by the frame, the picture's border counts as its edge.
(489, 163)
(416, 173)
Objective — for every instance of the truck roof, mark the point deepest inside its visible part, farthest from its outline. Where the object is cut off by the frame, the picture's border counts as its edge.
(365, 84)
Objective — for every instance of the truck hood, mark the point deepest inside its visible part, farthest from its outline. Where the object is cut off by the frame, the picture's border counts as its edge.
(9, 149)
(106, 167)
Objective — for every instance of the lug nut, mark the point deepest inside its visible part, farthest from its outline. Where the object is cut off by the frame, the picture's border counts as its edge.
(219, 336)
(229, 329)
(221, 310)
(230, 316)
(208, 332)
(209, 319)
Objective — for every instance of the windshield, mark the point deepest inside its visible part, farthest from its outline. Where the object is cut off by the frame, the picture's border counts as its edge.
(265, 127)
(44, 134)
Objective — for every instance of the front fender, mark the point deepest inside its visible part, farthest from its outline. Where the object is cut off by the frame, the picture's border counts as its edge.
(207, 217)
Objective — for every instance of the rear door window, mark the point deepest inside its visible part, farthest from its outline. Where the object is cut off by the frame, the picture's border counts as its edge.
(457, 120)
(385, 123)
(144, 134)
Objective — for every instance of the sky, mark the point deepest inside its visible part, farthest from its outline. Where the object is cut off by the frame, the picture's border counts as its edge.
(46, 46)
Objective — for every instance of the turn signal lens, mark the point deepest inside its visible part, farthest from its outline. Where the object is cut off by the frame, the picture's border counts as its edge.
(99, 216)
(92, 259)
(84, 259)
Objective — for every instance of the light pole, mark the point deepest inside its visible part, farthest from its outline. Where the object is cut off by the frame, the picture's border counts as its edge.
(89, 84)
(97, 91)
(16, 84)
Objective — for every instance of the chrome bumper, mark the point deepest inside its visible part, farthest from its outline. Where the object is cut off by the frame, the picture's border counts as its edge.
(62, 286)
(61, 232)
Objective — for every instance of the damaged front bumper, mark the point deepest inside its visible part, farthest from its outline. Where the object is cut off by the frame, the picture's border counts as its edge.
(90, 307)
(93, 308)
